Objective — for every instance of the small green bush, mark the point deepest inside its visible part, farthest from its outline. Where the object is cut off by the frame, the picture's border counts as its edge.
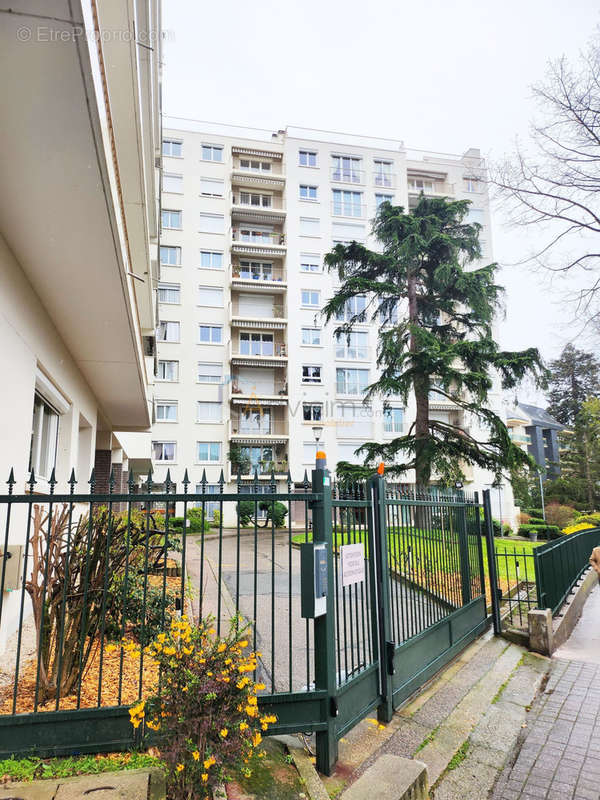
(245, 511)
(543, 531)
(536, 521)
(276, 512)
(505, 530)
(533, 512)
(196, 522)
(216, 520)
(593, 519)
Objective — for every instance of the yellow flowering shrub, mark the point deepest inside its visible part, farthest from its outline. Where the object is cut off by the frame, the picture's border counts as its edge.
(206, 717)
(582, 526)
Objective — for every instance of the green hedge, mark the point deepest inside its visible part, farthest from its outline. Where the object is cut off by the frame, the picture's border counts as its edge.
(543, 531)
(533, 512)
(196, 522)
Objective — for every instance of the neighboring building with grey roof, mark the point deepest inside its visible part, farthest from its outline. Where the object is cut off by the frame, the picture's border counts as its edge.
(533, 429)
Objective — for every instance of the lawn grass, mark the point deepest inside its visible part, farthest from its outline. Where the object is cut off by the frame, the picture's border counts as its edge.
(33, 769)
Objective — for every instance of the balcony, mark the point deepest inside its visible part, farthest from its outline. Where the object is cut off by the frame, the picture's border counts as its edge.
(270, 390)
(258, 244)
(258, 353)
(253, 172)
(271, 318)
(439, 401)
(438, 189)
(255, 207)
(519, 438)
(347, 174)
(258, 277)
(250, 425)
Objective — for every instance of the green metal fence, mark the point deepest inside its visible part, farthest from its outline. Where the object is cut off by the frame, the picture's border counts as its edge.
(560, 563)
(87, 570)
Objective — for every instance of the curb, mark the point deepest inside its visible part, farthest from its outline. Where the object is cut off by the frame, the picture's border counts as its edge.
(312, 782)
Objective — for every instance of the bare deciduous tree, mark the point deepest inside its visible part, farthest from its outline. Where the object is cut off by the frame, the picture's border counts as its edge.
(553, 183)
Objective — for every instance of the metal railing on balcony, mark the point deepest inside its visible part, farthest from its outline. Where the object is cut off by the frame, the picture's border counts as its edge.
(348, 209)
(437, 190)
(259, 239)
(258, 202)
(275, 311)
(347, 174)
(246, 388)
(258, 272)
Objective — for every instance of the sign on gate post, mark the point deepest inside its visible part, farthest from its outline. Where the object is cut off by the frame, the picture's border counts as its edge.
(352, 557)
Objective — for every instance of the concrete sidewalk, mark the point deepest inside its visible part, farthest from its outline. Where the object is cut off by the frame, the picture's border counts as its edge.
(559, 756)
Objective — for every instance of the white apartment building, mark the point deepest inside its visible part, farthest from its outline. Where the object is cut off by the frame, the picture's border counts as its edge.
(245, 362)
(79, 210)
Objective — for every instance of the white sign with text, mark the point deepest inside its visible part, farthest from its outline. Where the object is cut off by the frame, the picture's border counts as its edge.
(352, 557)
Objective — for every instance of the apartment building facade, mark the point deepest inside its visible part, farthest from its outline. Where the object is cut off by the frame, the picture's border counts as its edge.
(246, 366)
(79, 211)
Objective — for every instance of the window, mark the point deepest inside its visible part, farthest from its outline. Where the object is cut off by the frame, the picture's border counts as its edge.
(212, 223)
(168, 331)
(309, 263)
(309, 452)
(164, 451)
(471, 185)
(307, 158)
(172, 183)
(421, 185)
(308, 192)
(260, 457)
(311, 336)
(209, 506)
(169, 293)
(212, 152)
(309, 226)
(212, 187)
(347, 203)
(352, 345)
(393, 420)
(475, 215)
(311, 374)
(170, 256)
(209, 372)
(389, 316)
(383, 198)
(208, 411)
(256, 344)
(345, 168)
(348, 232)
(383, 172)
(168, 371)
(208, 451)
(44, 437)
(171, 219)
(172, 147)
(260, 236)
(211, 259)
(312, 412)
(257, 420)
(256, 270)
(210, 334)
(210, 296)
(351, 381)
(166, 411)
(256, 199)
(354, 310)
(255, 166)
(310, 298)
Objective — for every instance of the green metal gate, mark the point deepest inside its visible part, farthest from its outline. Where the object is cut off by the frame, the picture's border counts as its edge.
(416, 601)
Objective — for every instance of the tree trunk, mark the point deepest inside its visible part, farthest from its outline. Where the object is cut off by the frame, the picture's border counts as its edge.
(421, 388)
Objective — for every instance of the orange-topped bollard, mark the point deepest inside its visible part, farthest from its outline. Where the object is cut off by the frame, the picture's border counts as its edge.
(381, 469)
(320, 460)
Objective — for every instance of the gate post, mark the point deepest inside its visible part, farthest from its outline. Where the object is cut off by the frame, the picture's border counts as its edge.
(491, 556)
(324, 626)
(385, 649)
(463, 554)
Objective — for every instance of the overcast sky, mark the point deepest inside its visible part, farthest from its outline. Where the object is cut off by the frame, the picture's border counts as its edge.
(443, 75)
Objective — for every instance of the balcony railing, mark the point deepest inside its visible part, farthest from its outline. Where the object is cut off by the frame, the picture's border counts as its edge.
(265, 426)
(519, 438)
(262, 468)
(347, 175)
(258, 203)
(259, 274)
(275, 311)
(247, 389)
(342, 209)
(275, 350)
(259, 240)
(439, 190)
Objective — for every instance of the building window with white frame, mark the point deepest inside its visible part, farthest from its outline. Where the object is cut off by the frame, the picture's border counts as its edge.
(383, 172)
(256, 421)
(310, 298)
(476, 215)
(250, 165)
(393, 420)
(44, 437)
(212, 223)
(311, 373)
(310, 262)
(171, 219)
(168, 331)
(346, 168)
(347, 203)
(351, 381)
(309, 452)
(212, 187)
(208, 452)
(166, 411)
(307, 158)
(383, 198)
(212, 152)
(170, 256)
(256, 270)
(355, 309)
(168, 371)
(310, 226)
(352, 346)
(211, 259)
(210, 334)
(424, 185)
(208, 411)
(256, 344)
(308, 192)
(391, 315)
(311, 337)
(164, 452)
(312, 412)
(169, 293)
(173, 183)
(209, 506)
(211, 296)
(471, 185)
(209, 372)
(255, 199)
(172, 147)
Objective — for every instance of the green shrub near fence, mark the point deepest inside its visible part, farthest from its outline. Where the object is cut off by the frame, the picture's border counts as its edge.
(543, 531)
